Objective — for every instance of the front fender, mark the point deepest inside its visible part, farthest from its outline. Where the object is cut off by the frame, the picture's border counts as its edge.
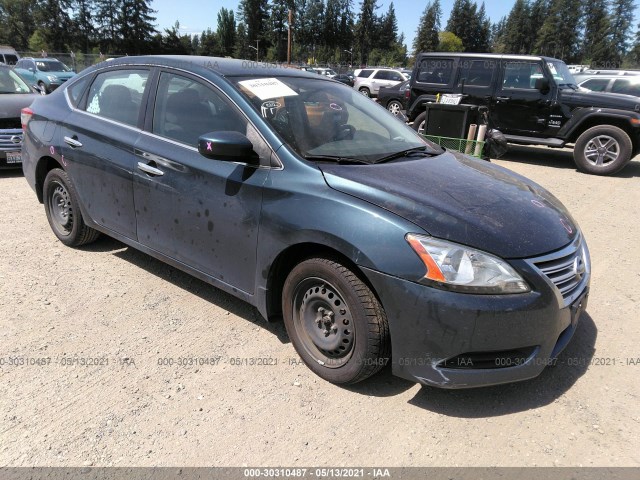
(604, 116)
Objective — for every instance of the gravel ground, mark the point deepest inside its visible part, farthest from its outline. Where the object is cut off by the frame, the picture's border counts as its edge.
(129, 314)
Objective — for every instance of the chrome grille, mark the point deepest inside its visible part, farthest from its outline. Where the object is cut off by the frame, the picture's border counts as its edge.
(568, 269)
(7, 138)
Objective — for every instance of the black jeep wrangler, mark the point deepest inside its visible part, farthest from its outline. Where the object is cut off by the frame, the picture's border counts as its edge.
(533, 101)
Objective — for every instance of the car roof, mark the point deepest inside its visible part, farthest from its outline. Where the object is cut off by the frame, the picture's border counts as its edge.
(497, 56)
(631, 78)
(227, 67)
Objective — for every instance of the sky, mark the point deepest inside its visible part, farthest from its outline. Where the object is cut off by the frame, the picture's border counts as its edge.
(198, 15)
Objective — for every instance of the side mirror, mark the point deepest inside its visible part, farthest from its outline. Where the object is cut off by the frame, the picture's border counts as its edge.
(542, 85)
(228, 146)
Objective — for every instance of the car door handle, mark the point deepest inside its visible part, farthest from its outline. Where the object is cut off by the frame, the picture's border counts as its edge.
(150, 170)
(503, 99)
(72, 142)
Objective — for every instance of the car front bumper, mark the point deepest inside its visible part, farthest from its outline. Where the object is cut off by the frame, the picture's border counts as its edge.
(453, 340)
(10, 145)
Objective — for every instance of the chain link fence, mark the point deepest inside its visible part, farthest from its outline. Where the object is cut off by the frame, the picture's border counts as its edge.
(75, 61)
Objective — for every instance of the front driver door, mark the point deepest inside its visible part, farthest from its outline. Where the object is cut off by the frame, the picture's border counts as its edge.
(201, 212)
(518, 108)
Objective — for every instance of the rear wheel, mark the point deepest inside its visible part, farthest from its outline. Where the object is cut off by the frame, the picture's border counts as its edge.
(419, 124)
(63, 212)
(602, 150)
(335, 322)
(365, 91)
(395, 107)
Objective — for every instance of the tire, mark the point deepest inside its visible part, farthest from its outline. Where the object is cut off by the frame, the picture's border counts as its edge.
(43, 88)
(365, 91)
(335, 322)
(395, 107)
(63, 212)
(602, 150)
(419, 123)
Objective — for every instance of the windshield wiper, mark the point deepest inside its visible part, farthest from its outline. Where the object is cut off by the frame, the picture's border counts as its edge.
(406, 153)
(336, 159)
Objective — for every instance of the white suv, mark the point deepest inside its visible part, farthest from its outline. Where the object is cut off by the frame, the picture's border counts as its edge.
(369, 80)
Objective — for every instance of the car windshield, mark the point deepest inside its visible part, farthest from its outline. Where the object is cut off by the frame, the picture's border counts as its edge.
(51, 66)
(323, 120)
(10, 82)
(561, 73)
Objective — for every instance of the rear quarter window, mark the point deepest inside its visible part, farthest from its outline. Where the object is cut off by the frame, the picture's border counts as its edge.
(365, 73)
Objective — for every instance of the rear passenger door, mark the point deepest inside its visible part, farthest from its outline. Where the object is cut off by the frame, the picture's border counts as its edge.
(200, 212)
(476, 80)
(97, 144)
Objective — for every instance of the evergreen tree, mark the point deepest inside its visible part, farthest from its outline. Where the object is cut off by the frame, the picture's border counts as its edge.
(346, 29)
(172, 42)
(17, 20)
(255, 16)
(634, 55)
(497, 35)
(621, 22)
(242, 41)
(516, 37)
(54, 23)
(480, 28)
(106, 17)
(83, 20)
(331, 28)
(315, 13)
(226, 31)
(560, 31)
(538, 12)
(597, 46)
(427, 39)
(209, 44)
(365, 29)
(136, 25)
(388, 34)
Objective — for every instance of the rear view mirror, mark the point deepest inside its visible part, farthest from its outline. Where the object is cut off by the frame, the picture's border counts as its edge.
(542, 85)
(229, 146)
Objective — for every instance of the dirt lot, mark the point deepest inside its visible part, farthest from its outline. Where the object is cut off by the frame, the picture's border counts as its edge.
(131, 313)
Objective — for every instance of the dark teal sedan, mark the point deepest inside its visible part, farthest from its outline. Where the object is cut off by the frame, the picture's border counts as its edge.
(300, 196)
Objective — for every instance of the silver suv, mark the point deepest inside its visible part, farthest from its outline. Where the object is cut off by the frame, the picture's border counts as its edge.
(369, 80)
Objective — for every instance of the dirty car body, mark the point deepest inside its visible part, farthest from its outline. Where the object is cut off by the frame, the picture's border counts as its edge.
(300, 196)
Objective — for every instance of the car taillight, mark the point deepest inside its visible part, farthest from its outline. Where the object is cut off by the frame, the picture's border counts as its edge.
(407, 94)
(25, 116)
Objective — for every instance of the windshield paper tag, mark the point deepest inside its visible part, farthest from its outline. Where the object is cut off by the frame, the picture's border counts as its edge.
(266, 88)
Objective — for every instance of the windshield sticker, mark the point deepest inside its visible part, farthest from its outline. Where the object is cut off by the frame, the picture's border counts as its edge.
(266, 88)
(269, 108)
(552, 67)
(335, 106)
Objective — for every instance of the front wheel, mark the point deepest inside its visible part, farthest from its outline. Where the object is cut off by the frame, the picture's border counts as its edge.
(335, 322)
(365, 91)
(63, 211)
(602, 150)
(419, 124)
(43, 88)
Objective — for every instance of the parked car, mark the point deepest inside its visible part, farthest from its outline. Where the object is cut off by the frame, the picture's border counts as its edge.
(627, 85)
(533, 101)
(8, 55)
(327, 72)
(343, 78)
(369, 80)
(15, 94)
(395, 98)
(47, 73)
(300, 196)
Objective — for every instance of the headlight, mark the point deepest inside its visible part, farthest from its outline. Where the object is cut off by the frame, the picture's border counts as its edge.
(52, 78)
(457, 267)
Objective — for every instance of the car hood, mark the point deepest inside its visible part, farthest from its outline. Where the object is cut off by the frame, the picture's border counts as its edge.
(12, 103)
(598, 99)
(465, 200)
(60, 75)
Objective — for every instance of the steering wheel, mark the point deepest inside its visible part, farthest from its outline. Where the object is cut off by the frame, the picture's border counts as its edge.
(345, 132)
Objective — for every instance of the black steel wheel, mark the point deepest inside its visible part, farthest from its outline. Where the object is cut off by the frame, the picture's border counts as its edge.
(63, 212)
(335, 322)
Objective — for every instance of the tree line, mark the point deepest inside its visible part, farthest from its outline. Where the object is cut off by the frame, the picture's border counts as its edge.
(598, 32)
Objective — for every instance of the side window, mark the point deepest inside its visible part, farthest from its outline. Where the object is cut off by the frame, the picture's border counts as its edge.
(117, 95)
(76, 90)
(381, 75)
(435, 70)
(365, 73)
(626, 86)
(185, 109)
(477, 73)
(396, 77)
(596, 84)
(521, 75)
(10, 59)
